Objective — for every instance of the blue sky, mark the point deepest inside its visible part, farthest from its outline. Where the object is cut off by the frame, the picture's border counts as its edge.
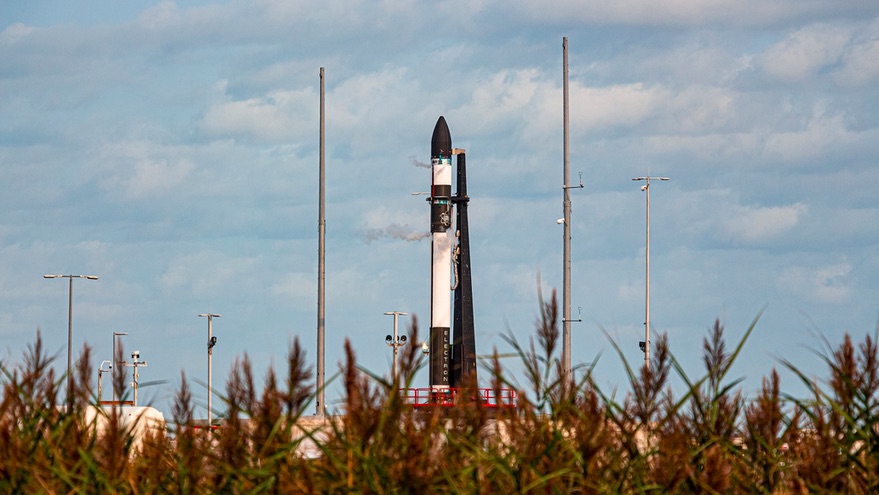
(172, 149)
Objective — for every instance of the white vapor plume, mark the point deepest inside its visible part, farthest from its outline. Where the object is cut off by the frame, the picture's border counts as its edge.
(396, 231)
(414, 161)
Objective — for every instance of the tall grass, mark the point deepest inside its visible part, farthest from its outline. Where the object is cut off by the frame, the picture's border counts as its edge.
(565, 435)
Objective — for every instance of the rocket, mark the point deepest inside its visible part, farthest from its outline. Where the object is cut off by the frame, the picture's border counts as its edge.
(440, 255)
(452, 364)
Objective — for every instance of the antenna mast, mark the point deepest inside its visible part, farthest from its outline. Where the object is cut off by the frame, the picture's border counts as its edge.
(566, 282)
(321, 272)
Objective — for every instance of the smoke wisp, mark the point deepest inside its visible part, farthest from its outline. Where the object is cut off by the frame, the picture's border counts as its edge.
(395, 231)
(414, 161)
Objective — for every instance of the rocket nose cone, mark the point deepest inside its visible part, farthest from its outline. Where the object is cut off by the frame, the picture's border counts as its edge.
(441, 142)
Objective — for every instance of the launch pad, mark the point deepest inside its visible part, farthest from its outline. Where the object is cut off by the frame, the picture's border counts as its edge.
(448, 397)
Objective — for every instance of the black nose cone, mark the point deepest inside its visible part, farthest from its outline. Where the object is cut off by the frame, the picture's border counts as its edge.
(441, 142)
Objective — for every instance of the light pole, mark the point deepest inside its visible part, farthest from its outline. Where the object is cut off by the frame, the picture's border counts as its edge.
(115, 361)
(645, 346)
(212, 341)
(395, 341)
(70, 331)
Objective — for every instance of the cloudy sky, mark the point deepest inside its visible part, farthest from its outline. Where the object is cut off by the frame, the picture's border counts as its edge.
(172, 149)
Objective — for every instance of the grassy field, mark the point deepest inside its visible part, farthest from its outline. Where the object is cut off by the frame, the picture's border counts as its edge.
(563, 437)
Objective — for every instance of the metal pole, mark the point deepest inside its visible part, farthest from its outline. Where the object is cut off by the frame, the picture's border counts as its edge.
(70, 331)
(112, 364)
(136, 363)
(135, 383)
(647, 285)
(114, 361)
(646, 189)
(321, 252)
(69, 344)
(101, 372)
(210, 368)
(395, 348)
(395, 342)
(566, 282)
(211, 343)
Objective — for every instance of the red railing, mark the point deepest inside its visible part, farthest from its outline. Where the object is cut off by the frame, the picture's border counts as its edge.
(447, 397)
(199, 428)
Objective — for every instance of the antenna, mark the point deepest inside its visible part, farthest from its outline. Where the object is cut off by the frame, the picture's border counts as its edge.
(575, 187)
(579, 315)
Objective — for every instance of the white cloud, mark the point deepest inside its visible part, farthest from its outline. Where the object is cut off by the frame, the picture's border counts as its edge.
(298, 288)
(498, 100)
(155, 178)
(274, 117)
(693, 12)
(822, 132)
(206, 273)
(805, 52)
(752, 225)
(622, 105)
(373, 97)
(708, 147)
(505, 92)
(15, 33)
(827, 284)
(161, 15)
(697, 109)
(631, 291)
(139, 170)
(860, 63)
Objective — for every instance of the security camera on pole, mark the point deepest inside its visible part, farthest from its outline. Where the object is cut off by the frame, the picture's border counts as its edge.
(212, 341)
(395, 341)
(645, 345)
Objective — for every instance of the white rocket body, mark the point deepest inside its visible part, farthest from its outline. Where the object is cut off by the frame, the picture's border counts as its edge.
(441, 278)
(441, 264)
(441, 257)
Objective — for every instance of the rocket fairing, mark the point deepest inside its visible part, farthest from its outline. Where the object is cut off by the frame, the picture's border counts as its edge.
(440, 254)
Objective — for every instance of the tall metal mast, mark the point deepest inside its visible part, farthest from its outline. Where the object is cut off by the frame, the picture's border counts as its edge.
(566, 277)
(321, 252)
